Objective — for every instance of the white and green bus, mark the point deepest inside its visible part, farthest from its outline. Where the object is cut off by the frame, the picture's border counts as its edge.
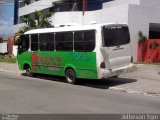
(95, 51)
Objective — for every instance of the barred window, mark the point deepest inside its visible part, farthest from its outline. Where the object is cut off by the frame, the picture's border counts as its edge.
(64, 41)
(34, 42)
(46, 41)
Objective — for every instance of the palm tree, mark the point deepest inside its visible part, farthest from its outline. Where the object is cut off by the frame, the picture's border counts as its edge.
(41, 21)
(141, 41)
(29, 24)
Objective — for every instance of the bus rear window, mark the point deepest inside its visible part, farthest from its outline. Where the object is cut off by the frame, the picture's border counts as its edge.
(115, 35)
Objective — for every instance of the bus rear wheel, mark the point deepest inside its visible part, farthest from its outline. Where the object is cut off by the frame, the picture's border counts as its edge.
(28, 72)
(70, 76)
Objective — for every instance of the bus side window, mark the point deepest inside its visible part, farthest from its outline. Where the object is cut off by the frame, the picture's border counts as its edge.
(34, 42)
(24, 43)
(64, 41)
(84, 40)
(46, 41)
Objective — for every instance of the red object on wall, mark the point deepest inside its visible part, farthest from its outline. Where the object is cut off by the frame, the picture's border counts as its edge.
(148, 54)
(10, 44)
(84, 6)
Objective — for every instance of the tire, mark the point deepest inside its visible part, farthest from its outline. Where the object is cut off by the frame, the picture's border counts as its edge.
(70, 76)
(29, 72)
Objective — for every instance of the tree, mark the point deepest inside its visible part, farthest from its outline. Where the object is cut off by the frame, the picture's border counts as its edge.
(41, 21)
(153, 47)
(141, 41)
(142, 38)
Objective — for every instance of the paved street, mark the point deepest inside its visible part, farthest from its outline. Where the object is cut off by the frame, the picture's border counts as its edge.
(147, 80)
(144, 80)
(45, 94)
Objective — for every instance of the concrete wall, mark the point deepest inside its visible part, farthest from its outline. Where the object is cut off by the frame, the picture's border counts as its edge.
(113, 14)
(3, 47)
(15, 50)
(117, 13)
(139, 18)
(39, 5)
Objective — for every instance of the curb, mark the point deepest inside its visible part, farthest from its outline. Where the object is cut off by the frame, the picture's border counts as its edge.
(3, 70)
(134, 92)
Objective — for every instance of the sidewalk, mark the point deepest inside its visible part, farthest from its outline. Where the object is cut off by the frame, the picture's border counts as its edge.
(145, 80)
(10, 67)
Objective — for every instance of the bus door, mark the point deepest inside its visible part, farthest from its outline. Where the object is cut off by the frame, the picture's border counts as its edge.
(116, 49)
(23, 55)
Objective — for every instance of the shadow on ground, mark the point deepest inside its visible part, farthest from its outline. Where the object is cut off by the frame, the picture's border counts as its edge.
(102, 84)
(106, 83)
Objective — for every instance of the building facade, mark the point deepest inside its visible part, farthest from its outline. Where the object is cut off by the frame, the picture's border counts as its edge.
(140, 15)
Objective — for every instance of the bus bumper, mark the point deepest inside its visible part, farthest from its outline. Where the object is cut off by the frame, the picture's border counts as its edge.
(105, 73)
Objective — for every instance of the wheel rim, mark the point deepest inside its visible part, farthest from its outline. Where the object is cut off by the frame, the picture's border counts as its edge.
(28, 72)
(70, 76)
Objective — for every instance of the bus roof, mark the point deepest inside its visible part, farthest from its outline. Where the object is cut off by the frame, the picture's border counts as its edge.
(70, 28)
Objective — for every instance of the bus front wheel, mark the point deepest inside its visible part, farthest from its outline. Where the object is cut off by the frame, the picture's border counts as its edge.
(28, 72)
(70, 76)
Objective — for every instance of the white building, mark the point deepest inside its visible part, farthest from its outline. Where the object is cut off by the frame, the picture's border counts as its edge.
(3, 45)
(140, 15)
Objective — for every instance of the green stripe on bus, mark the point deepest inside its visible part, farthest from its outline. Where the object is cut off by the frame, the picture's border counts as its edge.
(55, 63)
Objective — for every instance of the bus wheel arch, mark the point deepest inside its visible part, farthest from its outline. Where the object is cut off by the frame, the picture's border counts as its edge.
(70, 75)
(28, 70)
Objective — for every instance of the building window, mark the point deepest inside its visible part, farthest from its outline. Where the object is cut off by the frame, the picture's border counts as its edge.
(72, 5)
(27, 2)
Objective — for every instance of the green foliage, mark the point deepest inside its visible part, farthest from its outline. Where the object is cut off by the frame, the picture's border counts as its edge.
(10, 60)
(151, 46)
(41, 21)
(154, 45)
(142, 38)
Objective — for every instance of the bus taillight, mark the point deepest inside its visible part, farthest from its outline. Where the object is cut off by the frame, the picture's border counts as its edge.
(103, 65)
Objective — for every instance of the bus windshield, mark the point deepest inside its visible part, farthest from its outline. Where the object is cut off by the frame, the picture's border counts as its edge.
(23, 43)
(115, 35)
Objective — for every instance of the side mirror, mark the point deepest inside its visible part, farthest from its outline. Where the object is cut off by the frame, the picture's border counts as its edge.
(17, 40)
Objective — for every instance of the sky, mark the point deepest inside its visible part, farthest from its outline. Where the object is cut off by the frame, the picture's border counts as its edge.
(6, 17)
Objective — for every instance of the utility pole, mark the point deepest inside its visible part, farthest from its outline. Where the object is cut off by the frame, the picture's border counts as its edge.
(84, 8)
(16, 4)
